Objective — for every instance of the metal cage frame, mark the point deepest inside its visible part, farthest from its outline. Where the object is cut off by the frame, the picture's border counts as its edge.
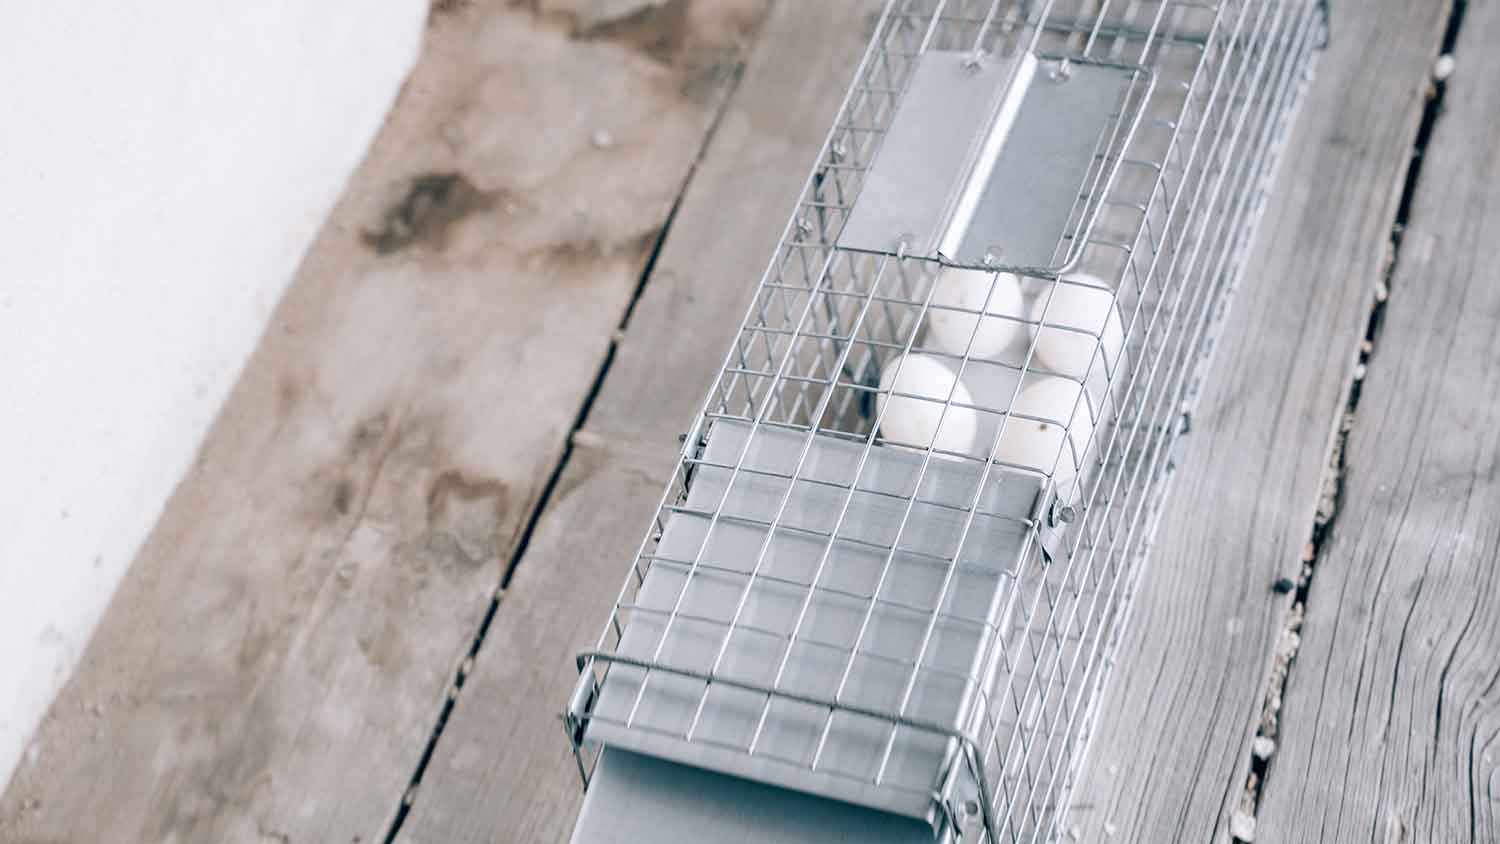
(967, 602)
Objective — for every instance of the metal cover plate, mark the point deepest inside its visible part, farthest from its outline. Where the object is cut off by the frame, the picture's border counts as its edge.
(974, 604)
(988, 161)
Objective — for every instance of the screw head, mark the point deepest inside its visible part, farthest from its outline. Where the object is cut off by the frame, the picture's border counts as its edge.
(970, 821)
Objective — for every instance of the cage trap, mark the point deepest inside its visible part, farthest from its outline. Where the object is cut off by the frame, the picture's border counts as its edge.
(904, 533)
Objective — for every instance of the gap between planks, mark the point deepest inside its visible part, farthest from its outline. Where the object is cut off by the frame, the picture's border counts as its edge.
(503, 771)
(1391, 717)
(574, 437)
(1244, 822)
(1170, 753)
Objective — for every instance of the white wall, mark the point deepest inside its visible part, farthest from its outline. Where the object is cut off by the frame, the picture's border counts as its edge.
(163, 166)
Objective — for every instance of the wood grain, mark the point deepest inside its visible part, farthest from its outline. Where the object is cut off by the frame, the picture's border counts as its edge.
(1171, 749)
(272, 666)
(1390, 727)
(502, 771)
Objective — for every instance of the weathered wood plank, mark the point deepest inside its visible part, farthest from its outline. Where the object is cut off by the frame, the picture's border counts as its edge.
(272, 666)
(1171, 749)
(502, 771)
(1390, 725)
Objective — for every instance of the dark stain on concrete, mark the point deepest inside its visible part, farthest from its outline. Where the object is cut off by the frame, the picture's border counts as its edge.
(427, 210)
(447, 7)
(581, 253)
(465, 516)
(657, 30)
(367, 434)
(343, 496)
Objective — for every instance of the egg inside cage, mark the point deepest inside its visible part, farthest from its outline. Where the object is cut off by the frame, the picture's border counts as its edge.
(904, 533)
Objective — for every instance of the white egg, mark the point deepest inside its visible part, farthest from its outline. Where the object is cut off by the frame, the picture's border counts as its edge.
(1055, 441)
(1091, 311)
(950, 331)
(917, 419)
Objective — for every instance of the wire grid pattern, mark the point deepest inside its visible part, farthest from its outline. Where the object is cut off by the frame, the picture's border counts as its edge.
(1162, 221)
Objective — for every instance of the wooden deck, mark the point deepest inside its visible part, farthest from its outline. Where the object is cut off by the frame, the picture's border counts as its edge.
(355, 620)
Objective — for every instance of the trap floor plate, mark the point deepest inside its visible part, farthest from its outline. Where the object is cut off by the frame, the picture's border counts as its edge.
(725, 594)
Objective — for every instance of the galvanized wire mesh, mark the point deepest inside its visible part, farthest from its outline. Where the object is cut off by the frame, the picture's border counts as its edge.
(924, 623)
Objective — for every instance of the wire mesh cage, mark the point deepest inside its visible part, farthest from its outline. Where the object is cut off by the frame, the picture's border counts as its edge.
(904, 533)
